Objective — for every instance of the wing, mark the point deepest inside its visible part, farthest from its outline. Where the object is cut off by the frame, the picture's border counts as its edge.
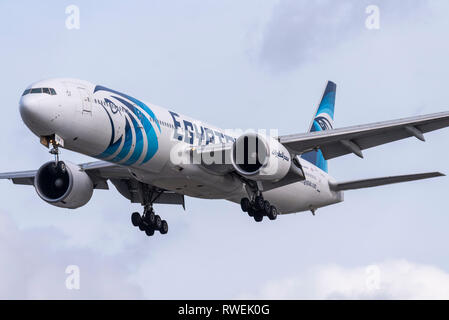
(20, 177)
(99, 171)
(375, 182)
(102, 171)
(339, 142)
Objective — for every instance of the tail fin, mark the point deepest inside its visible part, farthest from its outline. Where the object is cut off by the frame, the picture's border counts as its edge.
(322, 120)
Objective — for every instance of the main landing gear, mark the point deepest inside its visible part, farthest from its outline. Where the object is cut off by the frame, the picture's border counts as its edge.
(258, 208)
(149, 222)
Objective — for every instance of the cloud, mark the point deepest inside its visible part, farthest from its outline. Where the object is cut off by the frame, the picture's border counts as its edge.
(33, 264)
(398, 279)
(302, 30)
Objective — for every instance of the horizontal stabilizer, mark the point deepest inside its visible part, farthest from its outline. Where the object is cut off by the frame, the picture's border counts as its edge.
(375, 182)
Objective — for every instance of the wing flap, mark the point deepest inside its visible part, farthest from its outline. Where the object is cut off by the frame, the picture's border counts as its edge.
(375, 182)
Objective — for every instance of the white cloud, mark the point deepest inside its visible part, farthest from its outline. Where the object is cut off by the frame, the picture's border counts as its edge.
(398, 279)
(299, 31)
(33, 264)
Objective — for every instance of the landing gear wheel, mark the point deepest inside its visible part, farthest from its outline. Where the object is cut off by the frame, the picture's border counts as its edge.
(245, 204)
(258, 217)
(164, 227)
(150, 218)
(273, 213)
(136, 219)
(158, 222)
(266, 207)
(141, 226)
(251, 211)
(149, 231)
(259, 203)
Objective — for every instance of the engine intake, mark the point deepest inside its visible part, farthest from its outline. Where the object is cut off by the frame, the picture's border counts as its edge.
(63, 185)
(260, 157)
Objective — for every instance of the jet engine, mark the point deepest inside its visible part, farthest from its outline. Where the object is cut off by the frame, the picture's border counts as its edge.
(260, 157)
(63, 185)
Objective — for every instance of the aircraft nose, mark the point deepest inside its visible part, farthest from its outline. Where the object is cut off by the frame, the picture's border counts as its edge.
(33, 115)
(29, 108)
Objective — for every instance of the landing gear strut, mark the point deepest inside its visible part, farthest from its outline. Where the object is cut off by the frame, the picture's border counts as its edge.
(149, 222)
(56, 143)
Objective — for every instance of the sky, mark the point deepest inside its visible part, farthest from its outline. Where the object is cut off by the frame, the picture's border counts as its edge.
(235, 64)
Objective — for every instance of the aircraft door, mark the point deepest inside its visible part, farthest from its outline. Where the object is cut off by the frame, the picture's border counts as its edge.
(86, 102)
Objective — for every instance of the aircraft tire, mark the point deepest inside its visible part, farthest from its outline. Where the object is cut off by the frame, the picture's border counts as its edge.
(273, 213)
(150, 218)
(266, 207)
(149, 231)
(136, 219)
(259, 203)
(157, 222)
(258, 217)
(164, 227)
(245, 204)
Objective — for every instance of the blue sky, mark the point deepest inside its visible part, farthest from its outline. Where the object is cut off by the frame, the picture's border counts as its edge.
(234, 64)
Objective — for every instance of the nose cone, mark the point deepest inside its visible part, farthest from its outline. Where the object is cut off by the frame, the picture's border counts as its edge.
(33, 115)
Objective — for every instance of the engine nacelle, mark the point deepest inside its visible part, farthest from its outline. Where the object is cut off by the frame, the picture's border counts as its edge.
(64, 186)
(260, 157)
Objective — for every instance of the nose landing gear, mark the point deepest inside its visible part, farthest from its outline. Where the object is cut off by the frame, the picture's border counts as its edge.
(55, 141)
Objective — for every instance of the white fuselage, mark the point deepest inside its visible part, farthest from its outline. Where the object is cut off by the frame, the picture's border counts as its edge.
(108, 125)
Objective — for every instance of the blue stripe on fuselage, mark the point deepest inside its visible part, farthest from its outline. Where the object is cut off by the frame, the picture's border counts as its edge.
(127, 145)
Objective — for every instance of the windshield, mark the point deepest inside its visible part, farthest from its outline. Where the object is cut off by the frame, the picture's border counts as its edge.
(49, 91)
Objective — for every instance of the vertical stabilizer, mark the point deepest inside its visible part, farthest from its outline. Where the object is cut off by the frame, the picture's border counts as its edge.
(322, 120)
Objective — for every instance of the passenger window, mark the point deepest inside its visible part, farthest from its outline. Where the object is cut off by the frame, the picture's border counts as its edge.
(46, 90)
(36, 90)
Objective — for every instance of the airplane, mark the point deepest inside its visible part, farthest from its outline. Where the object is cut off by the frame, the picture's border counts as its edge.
(154, 155)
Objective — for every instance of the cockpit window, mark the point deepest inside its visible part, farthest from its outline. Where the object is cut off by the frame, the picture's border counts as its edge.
(49, 91)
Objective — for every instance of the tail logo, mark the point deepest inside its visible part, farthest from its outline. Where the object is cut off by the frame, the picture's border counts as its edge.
(324, 121)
